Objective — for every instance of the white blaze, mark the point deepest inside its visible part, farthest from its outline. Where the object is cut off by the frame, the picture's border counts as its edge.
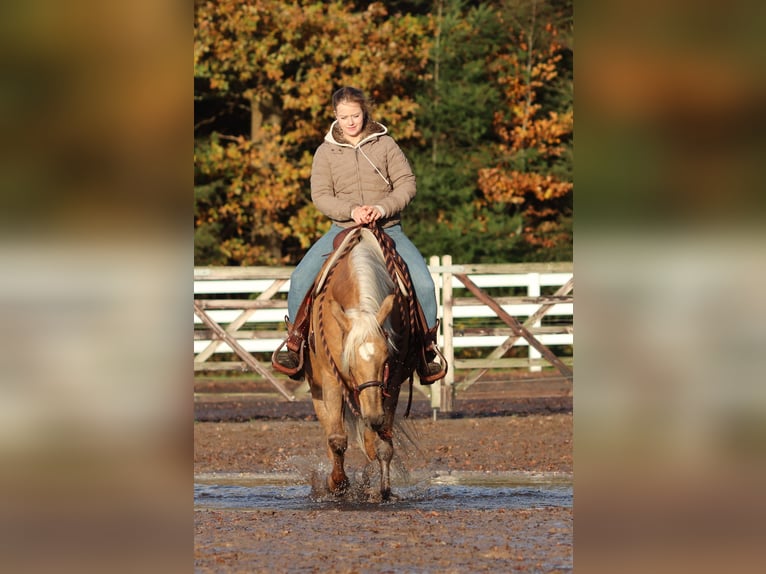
(366, 350)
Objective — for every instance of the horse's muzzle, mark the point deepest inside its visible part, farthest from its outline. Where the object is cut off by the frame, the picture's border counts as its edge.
(375, 421)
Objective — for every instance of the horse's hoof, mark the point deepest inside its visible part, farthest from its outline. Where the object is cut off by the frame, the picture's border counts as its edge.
(388, 496)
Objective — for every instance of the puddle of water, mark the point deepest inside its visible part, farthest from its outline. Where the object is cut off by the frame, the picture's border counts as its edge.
(474, 491)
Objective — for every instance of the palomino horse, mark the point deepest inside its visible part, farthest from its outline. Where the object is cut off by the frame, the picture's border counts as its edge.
(359, 350)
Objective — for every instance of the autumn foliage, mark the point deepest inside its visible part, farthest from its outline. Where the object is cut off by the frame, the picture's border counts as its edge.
(264, 74)
(533, 141)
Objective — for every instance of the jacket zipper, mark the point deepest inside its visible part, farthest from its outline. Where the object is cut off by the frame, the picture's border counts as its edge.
(359, 176)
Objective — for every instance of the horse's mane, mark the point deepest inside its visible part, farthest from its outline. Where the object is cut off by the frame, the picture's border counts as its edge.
(369, 269)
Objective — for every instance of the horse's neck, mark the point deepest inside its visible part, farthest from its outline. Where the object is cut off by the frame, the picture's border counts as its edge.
(338, 252)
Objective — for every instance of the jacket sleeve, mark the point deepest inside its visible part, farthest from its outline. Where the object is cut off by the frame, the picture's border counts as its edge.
(402, 181)
(322, 194)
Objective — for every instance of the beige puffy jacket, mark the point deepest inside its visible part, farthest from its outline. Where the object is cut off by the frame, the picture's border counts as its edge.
(372, 172)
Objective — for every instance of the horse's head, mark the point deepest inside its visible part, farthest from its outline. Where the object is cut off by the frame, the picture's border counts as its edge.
(366, 350)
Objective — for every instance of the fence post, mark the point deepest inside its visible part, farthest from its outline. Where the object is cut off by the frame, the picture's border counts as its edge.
(447, 383)
(533, 290)
(435, 389)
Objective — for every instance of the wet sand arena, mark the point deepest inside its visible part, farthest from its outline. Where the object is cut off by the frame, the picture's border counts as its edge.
(474, 494)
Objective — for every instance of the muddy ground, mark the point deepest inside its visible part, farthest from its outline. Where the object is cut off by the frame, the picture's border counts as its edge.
(508, 432)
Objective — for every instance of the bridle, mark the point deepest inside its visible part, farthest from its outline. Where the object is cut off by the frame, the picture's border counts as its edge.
(357, 389)
(382, 384)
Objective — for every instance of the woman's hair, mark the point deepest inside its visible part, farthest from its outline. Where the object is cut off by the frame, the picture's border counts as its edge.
(355, 96)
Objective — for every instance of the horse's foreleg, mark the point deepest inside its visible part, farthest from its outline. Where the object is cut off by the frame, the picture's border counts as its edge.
(384, 446)
(337, 481)
(384, 450)
(330, 415)
(379, 446)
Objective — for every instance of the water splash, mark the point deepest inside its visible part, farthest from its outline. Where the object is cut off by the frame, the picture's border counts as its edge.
(442, 493)
(299, 483)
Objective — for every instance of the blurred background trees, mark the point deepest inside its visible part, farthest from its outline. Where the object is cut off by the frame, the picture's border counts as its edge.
(478, 94)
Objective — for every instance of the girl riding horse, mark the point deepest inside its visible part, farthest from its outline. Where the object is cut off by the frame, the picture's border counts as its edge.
(359, 176)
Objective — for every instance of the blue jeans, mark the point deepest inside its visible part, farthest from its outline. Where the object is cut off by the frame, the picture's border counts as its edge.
(304, 274)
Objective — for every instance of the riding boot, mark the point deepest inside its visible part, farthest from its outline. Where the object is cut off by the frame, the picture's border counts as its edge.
(429, 371)
(290, 361)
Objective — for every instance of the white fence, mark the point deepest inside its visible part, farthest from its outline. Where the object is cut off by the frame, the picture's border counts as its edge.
(250, 304)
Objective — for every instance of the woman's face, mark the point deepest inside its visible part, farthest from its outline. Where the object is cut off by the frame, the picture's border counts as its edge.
(350, 118)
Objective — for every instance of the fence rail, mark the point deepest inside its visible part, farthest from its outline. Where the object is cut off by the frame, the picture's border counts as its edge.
(240, 311)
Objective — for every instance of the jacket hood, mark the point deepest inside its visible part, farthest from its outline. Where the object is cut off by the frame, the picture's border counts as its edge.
(372, 130)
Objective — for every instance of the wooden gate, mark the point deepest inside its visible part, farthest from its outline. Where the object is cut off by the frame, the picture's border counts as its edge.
(244, 283)
(530, 307)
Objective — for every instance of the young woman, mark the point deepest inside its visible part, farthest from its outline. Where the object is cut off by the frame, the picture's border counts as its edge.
(359, 175)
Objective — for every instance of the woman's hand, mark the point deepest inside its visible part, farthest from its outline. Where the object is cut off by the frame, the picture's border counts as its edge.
(366, 214)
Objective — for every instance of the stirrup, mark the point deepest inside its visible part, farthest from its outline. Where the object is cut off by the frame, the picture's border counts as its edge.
(286, 370)
(427, 378)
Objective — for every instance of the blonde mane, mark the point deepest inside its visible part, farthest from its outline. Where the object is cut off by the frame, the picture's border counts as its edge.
(368, 267)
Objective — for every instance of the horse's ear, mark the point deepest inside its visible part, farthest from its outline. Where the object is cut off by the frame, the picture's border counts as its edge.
(385, 309)
(340, 316)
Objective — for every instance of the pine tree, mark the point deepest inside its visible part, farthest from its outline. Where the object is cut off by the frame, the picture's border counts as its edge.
(455, 116)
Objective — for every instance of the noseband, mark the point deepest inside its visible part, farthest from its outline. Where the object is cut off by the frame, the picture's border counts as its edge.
(369, 384)
(380, 384)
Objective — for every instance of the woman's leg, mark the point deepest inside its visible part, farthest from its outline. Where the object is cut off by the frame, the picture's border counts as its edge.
(421, 277)
(304, 274)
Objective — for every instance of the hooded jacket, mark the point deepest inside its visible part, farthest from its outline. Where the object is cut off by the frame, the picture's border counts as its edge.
(372, 172)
